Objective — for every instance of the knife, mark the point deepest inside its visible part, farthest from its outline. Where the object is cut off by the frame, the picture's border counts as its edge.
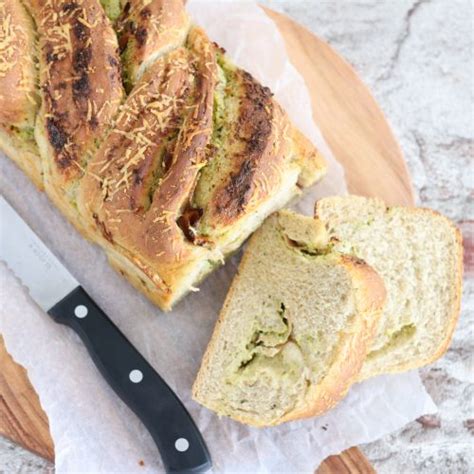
(133, 379)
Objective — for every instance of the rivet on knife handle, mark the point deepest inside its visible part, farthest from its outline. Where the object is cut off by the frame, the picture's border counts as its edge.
(180, 443)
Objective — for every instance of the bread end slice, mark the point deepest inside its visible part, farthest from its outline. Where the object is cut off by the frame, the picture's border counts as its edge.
(294, 330)
(418, 253)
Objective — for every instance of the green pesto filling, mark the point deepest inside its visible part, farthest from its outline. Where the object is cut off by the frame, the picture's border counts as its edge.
(126, 56)
(268, 352)
(24, 134)
(404, 334)
(210, 174)
(112, 8)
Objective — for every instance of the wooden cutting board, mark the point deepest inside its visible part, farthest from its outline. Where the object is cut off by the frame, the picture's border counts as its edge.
(360, 138)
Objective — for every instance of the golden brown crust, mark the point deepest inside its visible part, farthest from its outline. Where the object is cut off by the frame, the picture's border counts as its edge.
(313, 165)
(147, 29)
(24, 153)
(81, 89)
(444, 346)
(173, 99)
(262, 149)
(135, 194)
(18, 84)
(18, 89)
(139, 188)
(260, 145)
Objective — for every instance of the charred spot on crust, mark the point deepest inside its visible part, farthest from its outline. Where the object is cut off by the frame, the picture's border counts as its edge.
(254, 87)
(69, 7)
(51, 57)
(258, 140)
(80, 62)
(256, 110)
(166, 160)
(80, 31)
(82, 58)
(235, 196)
(57, 136)
(145, 13)
(141, 35)
(58, 139)
(93, 122)
(187, 221)
(137, 178)
(112, 61)
(80, 87)
(126, 8)
(105, 232)
(64, 161)
(253, 128)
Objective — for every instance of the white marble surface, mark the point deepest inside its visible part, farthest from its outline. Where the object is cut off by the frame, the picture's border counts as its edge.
(417, 57)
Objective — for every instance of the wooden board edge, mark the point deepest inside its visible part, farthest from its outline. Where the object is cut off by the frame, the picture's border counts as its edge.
(302, 44)
(22, 399)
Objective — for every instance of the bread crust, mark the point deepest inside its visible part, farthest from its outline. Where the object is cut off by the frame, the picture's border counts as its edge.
(452, 320)
(260, 145)
(148, 29)
(18, 96)
(312, 163)
(138, 190)
(81, 90)
(25, 154)
(352, 349)
(444, 346)
(116, 194)
(263, 149)
(19, 99)
(95, 165)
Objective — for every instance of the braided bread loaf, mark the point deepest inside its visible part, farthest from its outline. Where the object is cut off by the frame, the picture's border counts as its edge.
(145, 136)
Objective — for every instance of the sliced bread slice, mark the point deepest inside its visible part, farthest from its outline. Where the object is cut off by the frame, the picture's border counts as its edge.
(418, 253)
(294, 330)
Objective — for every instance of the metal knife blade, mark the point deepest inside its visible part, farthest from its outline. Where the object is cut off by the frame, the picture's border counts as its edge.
(181, 445)
(47, 280)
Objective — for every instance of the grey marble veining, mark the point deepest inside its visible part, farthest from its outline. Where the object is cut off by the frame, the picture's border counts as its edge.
(417, 58)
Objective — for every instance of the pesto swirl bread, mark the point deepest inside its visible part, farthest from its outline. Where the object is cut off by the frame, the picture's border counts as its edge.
(295, 328)
(144, 135)
(419, 255)
(304, 317)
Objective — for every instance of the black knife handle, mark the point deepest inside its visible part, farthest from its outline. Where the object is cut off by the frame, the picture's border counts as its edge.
(180, 443)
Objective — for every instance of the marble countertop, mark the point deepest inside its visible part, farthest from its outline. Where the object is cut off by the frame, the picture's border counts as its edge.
(417, 58)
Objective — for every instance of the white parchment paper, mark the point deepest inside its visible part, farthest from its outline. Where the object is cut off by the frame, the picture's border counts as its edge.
(92, 429)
